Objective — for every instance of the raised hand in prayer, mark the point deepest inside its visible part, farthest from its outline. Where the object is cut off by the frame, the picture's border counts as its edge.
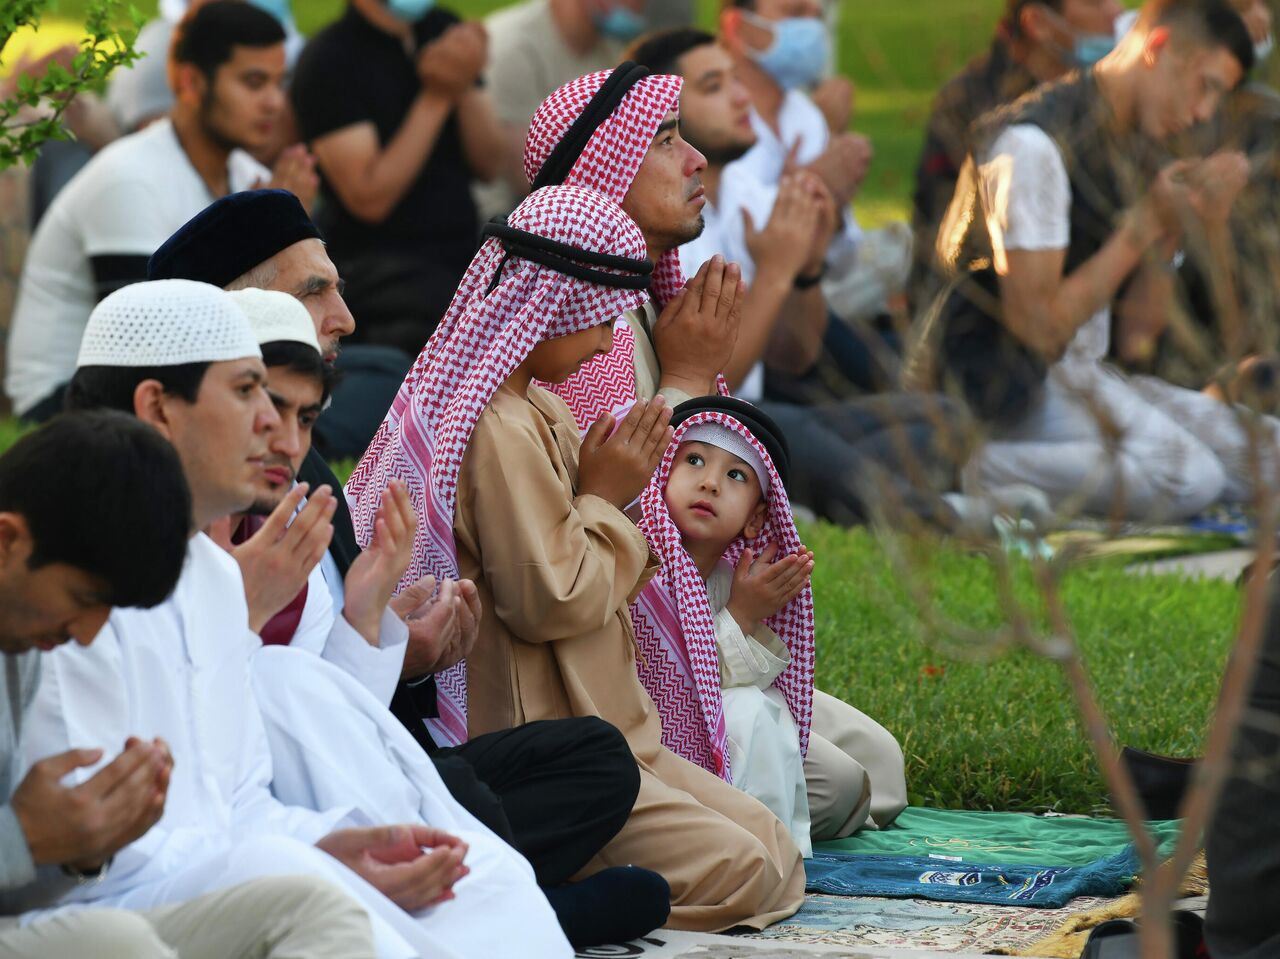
(762, 587)
(617, 464)
(276, 561)
(843, 166)
(834, 97)
(697, 330)
(84, 825)
(451, 64)
(1214, 183)
(443, 624)
(377, 571)
(787, 238)
(295, 171)
(394, 860)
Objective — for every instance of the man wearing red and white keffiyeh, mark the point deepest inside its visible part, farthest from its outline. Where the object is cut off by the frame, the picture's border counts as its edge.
(617, 132)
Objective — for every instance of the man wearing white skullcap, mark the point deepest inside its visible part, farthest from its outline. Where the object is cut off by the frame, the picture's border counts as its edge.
(183, 671)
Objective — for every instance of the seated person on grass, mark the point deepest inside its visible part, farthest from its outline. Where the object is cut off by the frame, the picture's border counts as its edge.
(510, 497)
(59, 585)
(366, 639)
(182, 357)
(733, 603)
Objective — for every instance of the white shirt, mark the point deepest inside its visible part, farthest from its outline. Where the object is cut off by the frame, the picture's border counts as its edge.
(799, 121)
(324, 631)
(1026, 195)
(127, 200)
(181, 672)
(724, 234)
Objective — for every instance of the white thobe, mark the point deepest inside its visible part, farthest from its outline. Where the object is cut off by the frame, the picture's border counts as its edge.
(763, 741)
(322, 629)
(182, 671)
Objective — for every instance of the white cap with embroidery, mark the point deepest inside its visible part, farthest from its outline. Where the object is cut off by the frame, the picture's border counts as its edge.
(277, 317)
(166, 323)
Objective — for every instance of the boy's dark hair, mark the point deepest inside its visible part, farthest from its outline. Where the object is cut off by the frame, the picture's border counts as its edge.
(1012, 21)
(206, 35)
(1214, 23)
(104, 493)
(112, 387)
(661, 51)
(300, 358)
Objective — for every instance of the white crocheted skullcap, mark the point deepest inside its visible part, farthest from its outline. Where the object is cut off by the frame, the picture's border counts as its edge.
(166, 323)
(277, 317)
(731, 441)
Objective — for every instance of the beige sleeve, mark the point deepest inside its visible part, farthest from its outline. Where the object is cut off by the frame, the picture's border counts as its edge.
(557, 567)
(648, 371)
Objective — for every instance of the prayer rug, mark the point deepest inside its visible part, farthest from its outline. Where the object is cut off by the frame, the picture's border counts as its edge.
(664, 944)
(950, 879)
(1004, 837)
(956, 927)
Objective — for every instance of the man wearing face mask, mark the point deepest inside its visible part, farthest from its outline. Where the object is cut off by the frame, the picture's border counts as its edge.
(389, 99)
(782, 50)
(538, 46)
(1036, 41)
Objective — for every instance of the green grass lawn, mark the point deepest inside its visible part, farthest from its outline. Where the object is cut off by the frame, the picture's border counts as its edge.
(1000, 734)
(1003, 733)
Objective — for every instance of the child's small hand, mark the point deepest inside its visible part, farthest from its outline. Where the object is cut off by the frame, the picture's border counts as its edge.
(616, 468)
(762, 587)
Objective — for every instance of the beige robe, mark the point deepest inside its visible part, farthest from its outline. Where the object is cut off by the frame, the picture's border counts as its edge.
(555, 572)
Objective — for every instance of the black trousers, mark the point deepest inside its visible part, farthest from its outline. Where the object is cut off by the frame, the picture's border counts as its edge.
(1243, 841)
(557, 790)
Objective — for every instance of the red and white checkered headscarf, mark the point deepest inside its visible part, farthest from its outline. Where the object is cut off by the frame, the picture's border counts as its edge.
(483, 337)
(674, 625)
(608, 164)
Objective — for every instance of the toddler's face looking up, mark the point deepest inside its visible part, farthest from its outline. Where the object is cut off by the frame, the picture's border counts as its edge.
(713, 496)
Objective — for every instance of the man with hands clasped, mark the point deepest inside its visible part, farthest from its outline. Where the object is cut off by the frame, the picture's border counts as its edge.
(184, 359)
(388, 98)
(59, 586)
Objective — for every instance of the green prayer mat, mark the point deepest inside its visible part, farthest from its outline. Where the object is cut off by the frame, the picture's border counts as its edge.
(1004, 837)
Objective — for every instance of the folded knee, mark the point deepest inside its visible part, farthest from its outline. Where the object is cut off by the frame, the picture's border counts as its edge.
(120, 934)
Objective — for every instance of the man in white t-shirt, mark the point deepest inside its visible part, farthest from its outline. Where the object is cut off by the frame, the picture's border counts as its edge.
(783, 49)
(1066, 236)
(227, 68)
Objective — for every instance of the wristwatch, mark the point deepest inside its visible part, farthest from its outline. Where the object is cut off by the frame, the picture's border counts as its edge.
(803, 282)
(83, 877)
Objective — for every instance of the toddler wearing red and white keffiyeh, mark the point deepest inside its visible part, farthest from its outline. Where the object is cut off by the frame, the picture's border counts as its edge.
(725, 631)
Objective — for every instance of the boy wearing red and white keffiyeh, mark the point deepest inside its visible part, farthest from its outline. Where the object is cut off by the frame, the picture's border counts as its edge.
(511, 498)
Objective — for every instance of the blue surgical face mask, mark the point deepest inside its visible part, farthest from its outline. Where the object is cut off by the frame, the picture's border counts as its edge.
(1262, 49)
(411, 11)
(1091, 47)
(799, 53)
(277, 8)
(620, 23)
